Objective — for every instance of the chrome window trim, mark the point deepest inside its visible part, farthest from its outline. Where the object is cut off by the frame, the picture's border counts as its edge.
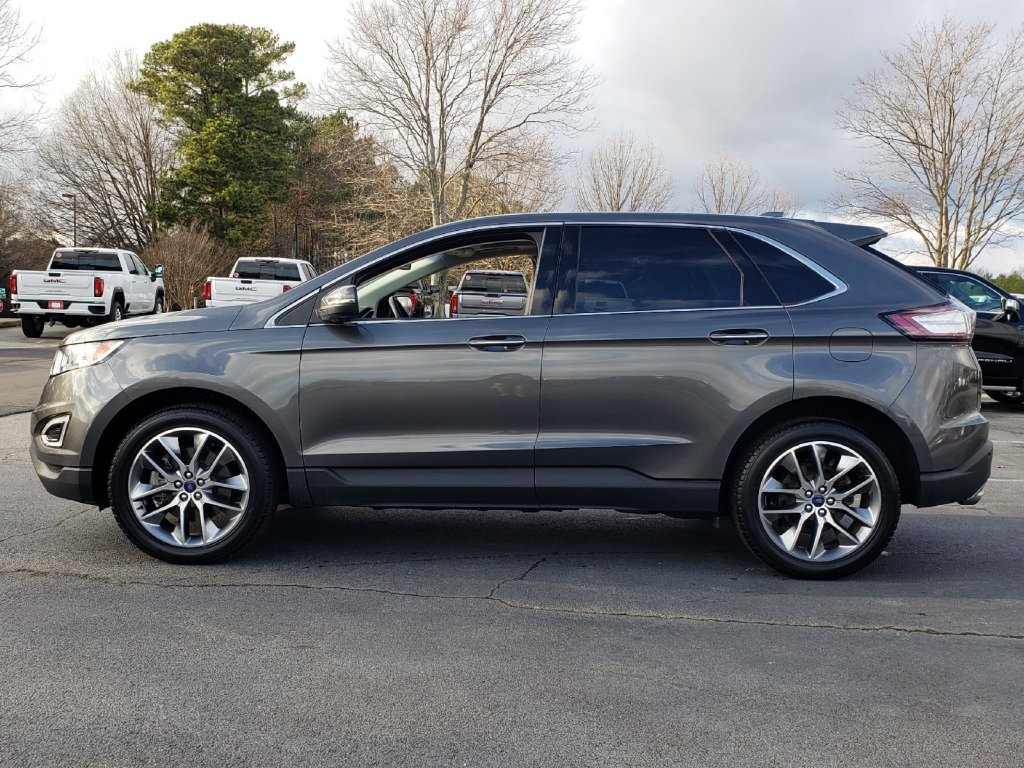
(839, 287)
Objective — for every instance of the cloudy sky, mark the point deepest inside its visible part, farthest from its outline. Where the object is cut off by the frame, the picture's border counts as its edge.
(760, 80)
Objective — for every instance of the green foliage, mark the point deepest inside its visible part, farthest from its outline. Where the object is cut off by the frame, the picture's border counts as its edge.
(217, 88)
(1011, 282)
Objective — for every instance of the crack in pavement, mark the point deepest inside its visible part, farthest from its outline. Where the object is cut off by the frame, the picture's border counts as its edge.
(520, 577)
(49, 527)
(521, 606)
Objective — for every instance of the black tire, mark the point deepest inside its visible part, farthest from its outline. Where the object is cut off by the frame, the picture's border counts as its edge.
(765, 453)
(1007, 398)
(32, 325)
(251, 445)
(158, 304)
(116, 311)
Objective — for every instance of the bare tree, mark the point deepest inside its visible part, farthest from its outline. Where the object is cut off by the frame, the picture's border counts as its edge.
(454, 85)
(16, 43)
(189, 255)
(944, 119)
(622, 175)
(728, 185)
(107, 148)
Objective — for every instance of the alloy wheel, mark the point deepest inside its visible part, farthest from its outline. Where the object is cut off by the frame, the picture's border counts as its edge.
(188, 487)
(819, 501)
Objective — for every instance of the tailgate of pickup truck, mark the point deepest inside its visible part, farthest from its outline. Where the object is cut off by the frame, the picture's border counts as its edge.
(55, 284)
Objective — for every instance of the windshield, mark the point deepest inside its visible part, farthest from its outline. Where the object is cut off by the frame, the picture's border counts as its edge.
(85, 261)
(258, 269)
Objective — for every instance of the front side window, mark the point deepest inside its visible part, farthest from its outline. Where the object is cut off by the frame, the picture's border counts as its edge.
(974, 293)
(625, 269)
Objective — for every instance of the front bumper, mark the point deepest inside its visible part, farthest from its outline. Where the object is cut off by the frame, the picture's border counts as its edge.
(960, 484)
(66, 469)
(73, 483)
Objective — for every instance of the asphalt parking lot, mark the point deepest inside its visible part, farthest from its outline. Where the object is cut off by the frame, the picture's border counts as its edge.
(359, 637)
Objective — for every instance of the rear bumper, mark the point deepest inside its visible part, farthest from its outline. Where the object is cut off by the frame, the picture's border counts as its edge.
(957, 485)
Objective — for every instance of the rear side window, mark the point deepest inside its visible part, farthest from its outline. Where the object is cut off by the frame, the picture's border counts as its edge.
(623, 269)
(792, 281)
(85, 261)
(483, 282)
(257, 269)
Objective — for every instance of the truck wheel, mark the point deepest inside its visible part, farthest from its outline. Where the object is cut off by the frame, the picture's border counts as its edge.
(116, 311)
(32, 326)
(158, 304)
(815, 500)
(193, 484)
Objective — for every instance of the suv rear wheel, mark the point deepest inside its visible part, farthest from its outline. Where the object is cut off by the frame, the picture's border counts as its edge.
(193, 484)
(815, 499)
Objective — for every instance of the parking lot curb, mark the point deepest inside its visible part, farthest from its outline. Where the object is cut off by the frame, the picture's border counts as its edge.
(9, 323)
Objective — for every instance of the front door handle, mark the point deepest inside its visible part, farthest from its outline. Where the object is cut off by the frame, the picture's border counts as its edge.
(497, 343)
(748, 337)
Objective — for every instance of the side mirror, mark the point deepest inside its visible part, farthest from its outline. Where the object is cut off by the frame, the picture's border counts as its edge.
(339, 305)
(1011, 305)
(158, 272)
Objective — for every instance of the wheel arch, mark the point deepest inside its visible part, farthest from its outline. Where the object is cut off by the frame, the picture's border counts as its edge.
(879, 427)
(134, 411)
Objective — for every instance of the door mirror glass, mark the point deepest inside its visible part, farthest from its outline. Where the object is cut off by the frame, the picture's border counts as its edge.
(158, 271)
(339, 305)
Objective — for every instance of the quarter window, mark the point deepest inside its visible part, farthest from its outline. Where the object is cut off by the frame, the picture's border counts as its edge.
(792, 281)
(624, 269)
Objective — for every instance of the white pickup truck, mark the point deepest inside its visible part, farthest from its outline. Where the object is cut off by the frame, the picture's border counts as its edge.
(83, 286)
(254, 279)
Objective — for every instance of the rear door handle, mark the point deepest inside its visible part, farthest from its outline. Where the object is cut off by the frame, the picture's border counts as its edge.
(739, 336)
(497, 343)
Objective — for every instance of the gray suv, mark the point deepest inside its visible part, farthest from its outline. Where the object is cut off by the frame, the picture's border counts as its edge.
(772, 370)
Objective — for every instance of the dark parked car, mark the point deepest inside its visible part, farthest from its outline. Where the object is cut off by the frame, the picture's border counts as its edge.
(767, 369)
(999, 336)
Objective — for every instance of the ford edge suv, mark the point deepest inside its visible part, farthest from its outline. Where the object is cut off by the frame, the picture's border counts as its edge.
(770, 370)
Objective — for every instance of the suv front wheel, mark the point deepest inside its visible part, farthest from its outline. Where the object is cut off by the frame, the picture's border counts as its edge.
(193, 484)
(815, 499)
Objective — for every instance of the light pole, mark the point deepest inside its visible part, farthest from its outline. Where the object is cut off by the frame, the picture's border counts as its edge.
(74, 217)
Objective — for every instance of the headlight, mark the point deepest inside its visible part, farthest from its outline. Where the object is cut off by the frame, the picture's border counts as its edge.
(73, 356)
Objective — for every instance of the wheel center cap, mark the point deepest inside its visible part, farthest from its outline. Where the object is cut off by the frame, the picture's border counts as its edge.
(818, 500)
(190, 486)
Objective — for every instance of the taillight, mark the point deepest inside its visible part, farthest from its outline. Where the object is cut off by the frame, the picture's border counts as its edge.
(455, 304)
(207, 291)
(12, 283)
(414, 302)
(97, 287)
(285, 288)
(949, 321)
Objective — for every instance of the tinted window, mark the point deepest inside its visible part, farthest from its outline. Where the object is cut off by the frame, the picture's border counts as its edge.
(260, 269)
(792, 281)
(490, 282)
(974, 293)
(651, 268)
(85, 261)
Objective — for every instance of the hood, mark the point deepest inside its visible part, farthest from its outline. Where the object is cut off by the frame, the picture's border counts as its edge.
(189, 321)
